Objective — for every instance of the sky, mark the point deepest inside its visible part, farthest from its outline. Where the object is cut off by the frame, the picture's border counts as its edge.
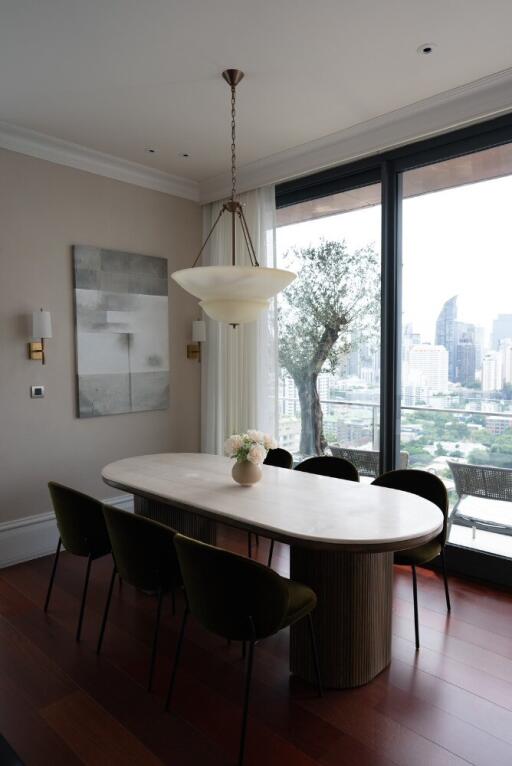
(454, 242)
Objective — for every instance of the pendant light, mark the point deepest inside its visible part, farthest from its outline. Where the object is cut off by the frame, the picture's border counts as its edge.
(233, 294)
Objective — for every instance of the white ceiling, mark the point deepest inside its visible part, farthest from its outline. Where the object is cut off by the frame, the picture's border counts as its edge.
(120, 75)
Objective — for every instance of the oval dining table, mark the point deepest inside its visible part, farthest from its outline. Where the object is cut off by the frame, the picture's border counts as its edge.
(341, 534)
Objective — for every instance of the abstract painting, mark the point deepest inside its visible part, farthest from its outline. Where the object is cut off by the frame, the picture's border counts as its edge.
(122, 341)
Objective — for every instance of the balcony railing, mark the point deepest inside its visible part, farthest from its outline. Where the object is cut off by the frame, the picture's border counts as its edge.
(431, 444)
(375, 409)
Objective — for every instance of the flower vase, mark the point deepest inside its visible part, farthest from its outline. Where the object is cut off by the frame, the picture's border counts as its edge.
(246, 473)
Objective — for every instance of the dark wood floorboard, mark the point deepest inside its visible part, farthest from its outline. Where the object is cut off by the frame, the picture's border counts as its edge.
(448, 705)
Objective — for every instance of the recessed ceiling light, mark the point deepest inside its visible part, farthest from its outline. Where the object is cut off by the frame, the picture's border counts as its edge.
(426, 49)
(149, 150)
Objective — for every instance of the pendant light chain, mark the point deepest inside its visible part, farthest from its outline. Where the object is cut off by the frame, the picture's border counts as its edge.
(233, 294)
(233, 142)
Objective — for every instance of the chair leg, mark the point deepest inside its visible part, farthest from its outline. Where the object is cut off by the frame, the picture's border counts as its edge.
(249, 545)
(84, 596)
(270, 553)
(107, 608)
(445, 577)
(248, 675)
(315, 655)
(52, 576)
(451, 518)
(173, 597)
(176, 658)
(155, 639)
(415, 595)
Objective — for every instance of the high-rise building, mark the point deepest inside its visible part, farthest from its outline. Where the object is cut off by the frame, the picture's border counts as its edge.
(480, 345)
(323, 385)
(446, 334)
(492, 371)
(428, 367)
(501, 329)
(465, 363)
(288, 396)
(506, 360)
(409, 339)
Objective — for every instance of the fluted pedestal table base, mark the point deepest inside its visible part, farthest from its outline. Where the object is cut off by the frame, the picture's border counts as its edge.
(352, 619)
(187, 523)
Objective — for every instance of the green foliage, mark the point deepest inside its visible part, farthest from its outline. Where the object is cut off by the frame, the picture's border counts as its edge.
(479, 457)
(335, 296)
(418, 456)
(503, 443)
(484, 437)
(333, 301)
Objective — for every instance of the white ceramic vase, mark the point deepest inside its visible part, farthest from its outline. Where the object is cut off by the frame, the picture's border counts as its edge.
(246, 473)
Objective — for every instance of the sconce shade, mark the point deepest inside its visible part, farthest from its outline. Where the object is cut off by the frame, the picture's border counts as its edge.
(198, 331)
(233, 294)
(41, 324)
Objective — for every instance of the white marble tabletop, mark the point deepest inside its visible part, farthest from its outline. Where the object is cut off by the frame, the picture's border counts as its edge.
(291, 506)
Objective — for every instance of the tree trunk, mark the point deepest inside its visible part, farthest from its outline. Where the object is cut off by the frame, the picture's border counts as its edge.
(312, 440)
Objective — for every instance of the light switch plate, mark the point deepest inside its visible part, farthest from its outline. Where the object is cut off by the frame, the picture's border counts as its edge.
(36, 392)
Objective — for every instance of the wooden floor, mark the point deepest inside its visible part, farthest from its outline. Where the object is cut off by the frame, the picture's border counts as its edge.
(60, 704)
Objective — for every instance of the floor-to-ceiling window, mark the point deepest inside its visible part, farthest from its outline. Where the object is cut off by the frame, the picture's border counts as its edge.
(329, 323)
(439, 380)
(456, 351)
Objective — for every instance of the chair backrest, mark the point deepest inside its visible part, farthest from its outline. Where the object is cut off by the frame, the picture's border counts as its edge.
(421, 483)
(327, 465)
(482, 481)
(80, 521)
(366, 461)
(143, 549)
(226, 591)
(279, 457)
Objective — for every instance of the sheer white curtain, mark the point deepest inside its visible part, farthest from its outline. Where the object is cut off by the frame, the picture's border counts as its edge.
(239, 366)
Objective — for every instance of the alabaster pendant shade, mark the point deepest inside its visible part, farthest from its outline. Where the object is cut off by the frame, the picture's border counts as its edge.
(233, 294)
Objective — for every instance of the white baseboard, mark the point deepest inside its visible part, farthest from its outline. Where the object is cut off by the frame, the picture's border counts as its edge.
(27, 538)
(120, 501)
(36, 536)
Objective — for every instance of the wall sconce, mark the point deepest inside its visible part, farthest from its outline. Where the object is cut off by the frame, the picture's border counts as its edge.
(198, 337)
(41, 329)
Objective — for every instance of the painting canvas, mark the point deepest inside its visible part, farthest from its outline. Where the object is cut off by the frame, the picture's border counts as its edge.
(121, 314)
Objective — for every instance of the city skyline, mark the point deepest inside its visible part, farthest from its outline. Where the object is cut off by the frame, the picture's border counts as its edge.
(453, 242)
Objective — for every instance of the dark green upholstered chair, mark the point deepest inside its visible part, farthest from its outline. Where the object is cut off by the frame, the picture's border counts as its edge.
(241, 600)
(327, 465)
(144, 557)
(280, 458)
(82, 532)
(324, 465)
(429, 486)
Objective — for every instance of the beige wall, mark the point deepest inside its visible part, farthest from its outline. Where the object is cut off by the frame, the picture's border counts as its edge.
(44, 210)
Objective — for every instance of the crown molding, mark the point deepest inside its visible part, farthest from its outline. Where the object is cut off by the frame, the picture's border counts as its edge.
(62, 152)
(470, 103)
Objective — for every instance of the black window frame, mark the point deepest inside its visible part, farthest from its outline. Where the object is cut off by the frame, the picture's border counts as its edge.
(387, 168)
